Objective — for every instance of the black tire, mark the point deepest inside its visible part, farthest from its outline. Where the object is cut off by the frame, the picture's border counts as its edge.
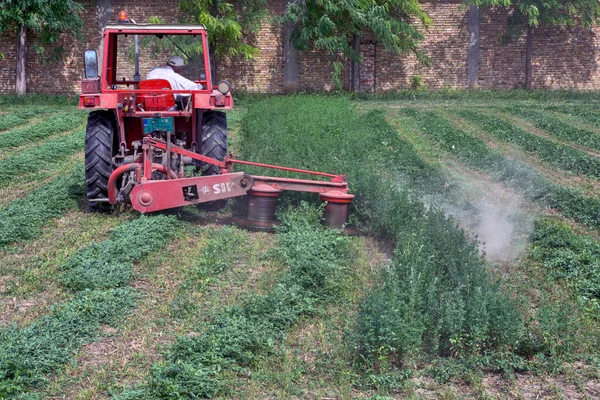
(213, 140)
(213, 143)
(99, 145)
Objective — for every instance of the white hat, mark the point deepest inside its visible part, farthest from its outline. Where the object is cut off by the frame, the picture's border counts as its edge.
(175, 61)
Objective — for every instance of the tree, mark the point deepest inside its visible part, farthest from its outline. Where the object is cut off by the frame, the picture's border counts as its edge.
(226, 26)
(336, 27)
(535, 13)
(46, 18)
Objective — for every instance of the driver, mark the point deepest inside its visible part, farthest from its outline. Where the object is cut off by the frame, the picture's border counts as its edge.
(171, 72)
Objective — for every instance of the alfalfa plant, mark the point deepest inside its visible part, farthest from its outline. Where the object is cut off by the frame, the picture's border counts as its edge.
(197, 365)
(23, 219)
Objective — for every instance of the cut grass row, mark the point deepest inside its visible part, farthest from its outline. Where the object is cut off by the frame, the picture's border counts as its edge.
(54, 124)
(41, 157)
(15, 118)
(558, 128)
(23, 219)
(98, 276)
(556, 154)
(476, 154)
(199, 365)
(203, 270)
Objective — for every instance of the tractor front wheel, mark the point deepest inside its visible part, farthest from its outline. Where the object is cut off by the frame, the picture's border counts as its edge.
(213, 144)
(99, 142)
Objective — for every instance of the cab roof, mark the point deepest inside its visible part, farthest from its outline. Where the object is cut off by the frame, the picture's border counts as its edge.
(156, 28)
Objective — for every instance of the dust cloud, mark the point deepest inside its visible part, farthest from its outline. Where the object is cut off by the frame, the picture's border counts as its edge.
(499, 220)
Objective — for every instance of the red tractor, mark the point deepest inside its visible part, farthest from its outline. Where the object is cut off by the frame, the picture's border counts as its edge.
(155, 147)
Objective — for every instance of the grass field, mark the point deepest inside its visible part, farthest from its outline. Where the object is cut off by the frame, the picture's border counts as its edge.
(477, 274)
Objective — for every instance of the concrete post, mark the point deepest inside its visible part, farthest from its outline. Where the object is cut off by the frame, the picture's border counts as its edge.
(473, 53)
(291, 73)
(104, 14)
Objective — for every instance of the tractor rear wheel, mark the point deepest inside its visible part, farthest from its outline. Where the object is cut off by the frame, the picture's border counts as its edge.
(213, 140)
(99, 142)
(213, 144)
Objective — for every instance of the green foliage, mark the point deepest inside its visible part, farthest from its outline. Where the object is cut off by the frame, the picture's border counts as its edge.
(22, 219)
(218, 254)
(556, 154)
(238, 336)
(47, 18)
(437, 297)
(572, 257)
(29, 353)
(547, 12)
(329, 25)
(559, 129)
(227, 24)
(109, 264)
(50, 153)
(476, 154)
(54, 124)
(416, 82)
(331, 142)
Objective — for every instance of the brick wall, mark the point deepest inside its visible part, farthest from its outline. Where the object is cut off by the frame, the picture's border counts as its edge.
(563, 58)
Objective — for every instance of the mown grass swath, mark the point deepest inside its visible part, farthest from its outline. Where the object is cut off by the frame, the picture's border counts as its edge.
(197, 366)
(556, 154)
(585, 112)
(476, 154)
(54, 124)
(23, 219)
(558, 128)
(572, 257)
(437, 297)
(41, 157)
(15, 118)
(98, 275)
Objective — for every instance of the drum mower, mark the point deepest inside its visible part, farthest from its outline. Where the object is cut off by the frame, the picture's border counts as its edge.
(156, 147)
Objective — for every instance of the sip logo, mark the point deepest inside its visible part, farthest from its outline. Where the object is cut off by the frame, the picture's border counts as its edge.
(224, 187)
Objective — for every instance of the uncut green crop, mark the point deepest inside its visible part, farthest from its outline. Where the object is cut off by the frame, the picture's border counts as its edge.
(559, 129)
(569, 256)
(54, 124)
(317, 274)
(335, 140)
(437, 297)
(98, 275)
(23, 219)
(476, 154)
(47, 155)
(556, 154)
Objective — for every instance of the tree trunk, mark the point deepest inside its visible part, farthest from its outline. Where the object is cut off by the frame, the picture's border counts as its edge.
(473, 53)
(291, 73)
(528, 51)
(355, 65)
(21, 73)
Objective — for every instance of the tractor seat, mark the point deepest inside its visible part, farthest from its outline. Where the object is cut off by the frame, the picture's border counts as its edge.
(155, 101)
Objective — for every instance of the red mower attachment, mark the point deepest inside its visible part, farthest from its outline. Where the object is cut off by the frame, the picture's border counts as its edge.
(169, 190)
